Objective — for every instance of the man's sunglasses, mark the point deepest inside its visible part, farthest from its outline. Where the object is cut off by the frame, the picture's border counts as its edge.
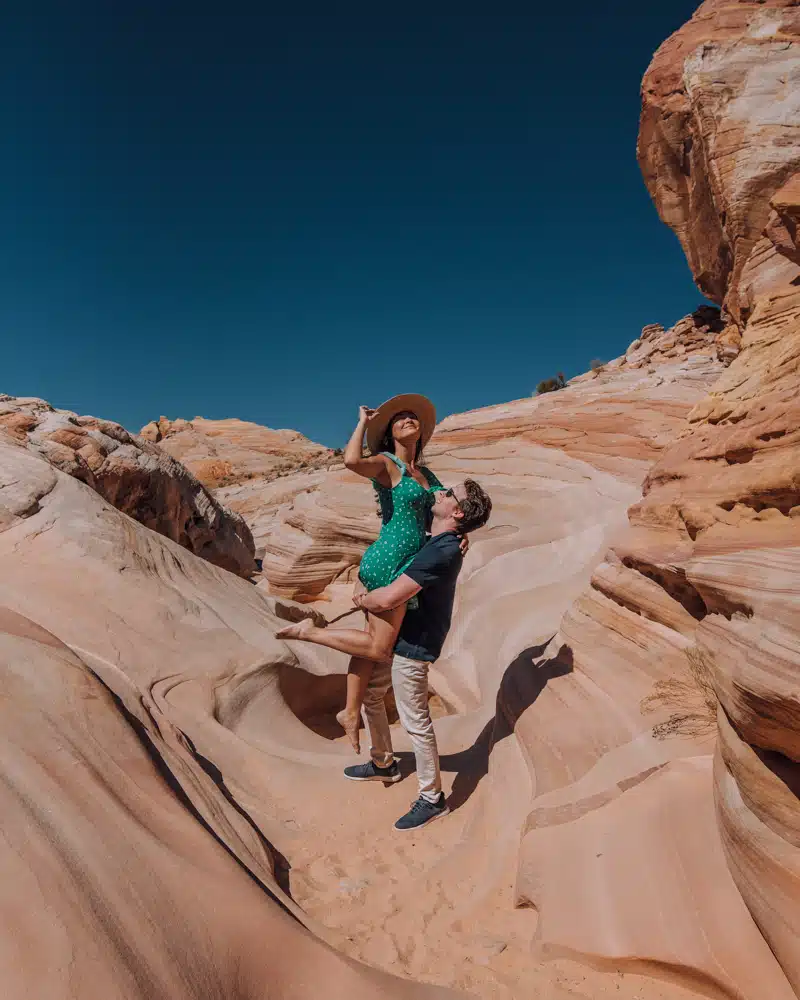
(452, 493)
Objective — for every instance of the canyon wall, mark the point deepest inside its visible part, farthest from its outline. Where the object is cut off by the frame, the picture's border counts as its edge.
(147, 762)
(719, 526)
(617, 700)
(575, 713)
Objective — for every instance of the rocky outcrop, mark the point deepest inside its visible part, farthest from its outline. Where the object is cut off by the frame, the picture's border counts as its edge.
(782, 228)
(136, 865)
(263, 502)
(688, 335)
(718, 527)
(720, 136)
(227, 452)
(135, 476)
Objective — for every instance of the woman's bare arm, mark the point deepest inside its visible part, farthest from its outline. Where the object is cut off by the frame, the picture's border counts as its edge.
(372, 467)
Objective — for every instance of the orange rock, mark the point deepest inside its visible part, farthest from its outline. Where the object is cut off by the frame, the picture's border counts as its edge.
(720, 150)
(720, 132)
(227, 452)
(782, 225)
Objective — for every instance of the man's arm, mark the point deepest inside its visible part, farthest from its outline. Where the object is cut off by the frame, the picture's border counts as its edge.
(427, 567)
(386, 598)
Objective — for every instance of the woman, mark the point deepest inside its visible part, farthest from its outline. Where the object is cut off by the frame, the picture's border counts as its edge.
(396, 434)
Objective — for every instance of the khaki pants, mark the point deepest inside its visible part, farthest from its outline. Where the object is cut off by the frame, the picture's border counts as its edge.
(409, 678)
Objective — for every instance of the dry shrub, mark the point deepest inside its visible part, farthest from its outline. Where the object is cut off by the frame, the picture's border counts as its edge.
(551, 384)
(692, 700)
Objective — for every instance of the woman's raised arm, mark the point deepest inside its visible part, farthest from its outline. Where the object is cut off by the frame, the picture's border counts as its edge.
(372, 466)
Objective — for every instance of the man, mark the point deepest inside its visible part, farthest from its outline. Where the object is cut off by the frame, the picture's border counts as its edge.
(432, 575)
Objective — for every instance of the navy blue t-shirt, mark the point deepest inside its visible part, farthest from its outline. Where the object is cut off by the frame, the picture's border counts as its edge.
(435, 568)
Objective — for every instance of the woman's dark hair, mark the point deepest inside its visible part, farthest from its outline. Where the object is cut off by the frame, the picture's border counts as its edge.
(476, 507)
(387, 441)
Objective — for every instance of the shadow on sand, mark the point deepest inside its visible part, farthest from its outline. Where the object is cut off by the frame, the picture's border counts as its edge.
(523, 681)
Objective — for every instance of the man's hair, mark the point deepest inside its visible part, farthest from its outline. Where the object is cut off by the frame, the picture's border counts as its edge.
(476, 507)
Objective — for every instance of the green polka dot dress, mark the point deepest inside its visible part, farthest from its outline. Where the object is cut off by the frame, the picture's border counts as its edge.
(404, 512)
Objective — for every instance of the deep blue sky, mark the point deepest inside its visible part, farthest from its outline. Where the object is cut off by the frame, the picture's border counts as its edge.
(277, 217)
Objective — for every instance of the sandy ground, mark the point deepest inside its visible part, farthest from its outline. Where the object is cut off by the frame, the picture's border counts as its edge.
(437, 905)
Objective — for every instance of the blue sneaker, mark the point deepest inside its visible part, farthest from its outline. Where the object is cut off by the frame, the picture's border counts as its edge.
(422, 812)
(371, 772)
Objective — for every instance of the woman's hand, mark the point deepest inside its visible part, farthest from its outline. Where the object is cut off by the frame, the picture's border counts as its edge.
(464, 544)
(368, 466)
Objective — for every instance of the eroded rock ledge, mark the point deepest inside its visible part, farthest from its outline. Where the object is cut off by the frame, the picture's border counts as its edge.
(135, 476)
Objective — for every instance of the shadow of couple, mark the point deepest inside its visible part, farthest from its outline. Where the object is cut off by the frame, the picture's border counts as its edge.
(523, 681)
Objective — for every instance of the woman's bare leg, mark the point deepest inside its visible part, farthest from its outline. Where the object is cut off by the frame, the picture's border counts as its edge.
(375, 644)
(358, 677)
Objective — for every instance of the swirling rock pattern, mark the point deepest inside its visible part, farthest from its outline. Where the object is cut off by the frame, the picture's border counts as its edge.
(720, 135)
(574, 737)
(621, 749)
(133, 866)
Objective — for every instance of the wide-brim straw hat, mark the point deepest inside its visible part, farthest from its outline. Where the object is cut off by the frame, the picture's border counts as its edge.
(421, 406)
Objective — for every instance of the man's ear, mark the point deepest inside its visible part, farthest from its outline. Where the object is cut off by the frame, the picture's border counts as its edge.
(458, 513)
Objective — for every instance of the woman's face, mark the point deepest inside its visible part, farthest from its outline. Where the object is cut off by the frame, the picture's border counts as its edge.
(406, 428)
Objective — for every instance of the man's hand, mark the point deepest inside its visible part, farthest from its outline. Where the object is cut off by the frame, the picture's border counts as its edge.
(370, 602)
(464, 544)
(386, 598)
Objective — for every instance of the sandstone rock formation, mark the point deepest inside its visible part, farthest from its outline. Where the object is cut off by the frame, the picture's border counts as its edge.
(203, 683)
(572, 751)
(146, 758)
(718, 528)
(719, 138)
(133, 475)
(227, 452)
(263, 502)
(689, 334)
(620, 729)
(782, 225)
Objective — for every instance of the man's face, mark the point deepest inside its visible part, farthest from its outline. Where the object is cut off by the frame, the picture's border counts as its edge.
(447, 502)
